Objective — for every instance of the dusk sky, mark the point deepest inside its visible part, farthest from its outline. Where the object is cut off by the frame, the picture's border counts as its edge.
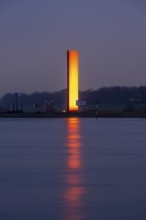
(110, 36)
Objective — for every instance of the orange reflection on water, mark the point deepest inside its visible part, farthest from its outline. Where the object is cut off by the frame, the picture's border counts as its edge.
(74, 191)
(73, 143)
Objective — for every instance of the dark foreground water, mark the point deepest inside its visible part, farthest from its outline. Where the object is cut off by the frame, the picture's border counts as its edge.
(72, 169)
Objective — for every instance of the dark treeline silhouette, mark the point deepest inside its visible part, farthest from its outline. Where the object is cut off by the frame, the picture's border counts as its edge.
(115, 95)
(106, 95)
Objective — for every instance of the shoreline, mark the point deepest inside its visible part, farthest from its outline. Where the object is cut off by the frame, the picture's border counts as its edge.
(88, 114)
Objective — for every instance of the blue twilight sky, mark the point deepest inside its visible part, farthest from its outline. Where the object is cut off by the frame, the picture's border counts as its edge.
(110, 36)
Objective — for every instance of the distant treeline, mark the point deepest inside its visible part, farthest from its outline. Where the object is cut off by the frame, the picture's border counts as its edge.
(105, 95)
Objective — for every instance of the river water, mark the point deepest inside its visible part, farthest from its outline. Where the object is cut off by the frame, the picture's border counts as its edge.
(72, 169)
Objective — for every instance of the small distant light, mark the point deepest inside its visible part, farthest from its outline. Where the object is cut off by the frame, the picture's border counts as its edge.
(63, 110)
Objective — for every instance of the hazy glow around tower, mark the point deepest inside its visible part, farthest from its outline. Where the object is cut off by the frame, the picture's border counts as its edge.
(72, 80)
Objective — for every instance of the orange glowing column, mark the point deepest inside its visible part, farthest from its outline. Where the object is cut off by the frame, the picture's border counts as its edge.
(72, 80)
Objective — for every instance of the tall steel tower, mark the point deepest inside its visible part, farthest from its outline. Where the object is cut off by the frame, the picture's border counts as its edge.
(72, 80)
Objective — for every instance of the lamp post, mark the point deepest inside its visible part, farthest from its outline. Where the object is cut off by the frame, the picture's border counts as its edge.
(17, 94)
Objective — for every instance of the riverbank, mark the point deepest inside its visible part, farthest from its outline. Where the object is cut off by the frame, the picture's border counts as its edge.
(87, 114)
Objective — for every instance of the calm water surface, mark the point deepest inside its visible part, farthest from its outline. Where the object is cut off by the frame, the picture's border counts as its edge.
(72, 169)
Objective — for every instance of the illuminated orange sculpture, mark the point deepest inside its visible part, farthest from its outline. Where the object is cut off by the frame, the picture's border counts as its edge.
(72, 80)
